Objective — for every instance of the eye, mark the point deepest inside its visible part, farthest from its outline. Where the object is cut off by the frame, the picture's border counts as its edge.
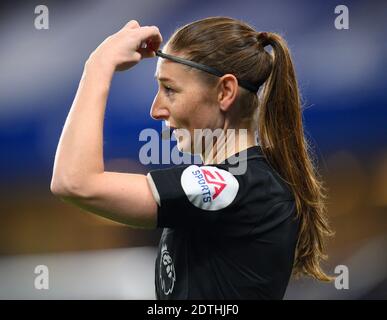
(168, 90)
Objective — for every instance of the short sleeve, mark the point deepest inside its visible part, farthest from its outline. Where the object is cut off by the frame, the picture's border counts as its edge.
(192, 195)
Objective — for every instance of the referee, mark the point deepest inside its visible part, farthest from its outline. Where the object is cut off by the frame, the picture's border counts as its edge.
(226, 235)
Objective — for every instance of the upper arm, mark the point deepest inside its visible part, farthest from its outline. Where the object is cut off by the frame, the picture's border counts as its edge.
(121, 197)
(194, 195)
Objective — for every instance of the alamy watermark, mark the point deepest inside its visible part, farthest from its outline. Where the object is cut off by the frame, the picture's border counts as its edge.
(216, 145)
(342, 20)
(342, 280)
(41, 21)
(41, 281)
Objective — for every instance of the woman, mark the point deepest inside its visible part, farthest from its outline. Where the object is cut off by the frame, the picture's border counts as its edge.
(226, 236)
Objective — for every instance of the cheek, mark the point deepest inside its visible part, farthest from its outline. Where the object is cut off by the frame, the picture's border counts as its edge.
(192, 111)
(184, 110)
(206, 116)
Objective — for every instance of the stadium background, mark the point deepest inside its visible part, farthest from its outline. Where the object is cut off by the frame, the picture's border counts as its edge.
(343, 82)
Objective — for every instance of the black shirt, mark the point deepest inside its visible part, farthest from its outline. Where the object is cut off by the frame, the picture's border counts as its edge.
(225, 236)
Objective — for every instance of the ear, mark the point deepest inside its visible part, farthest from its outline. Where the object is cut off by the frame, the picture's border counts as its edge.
(227, 91)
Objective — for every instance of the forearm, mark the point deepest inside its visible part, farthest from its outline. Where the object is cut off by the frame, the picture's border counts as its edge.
(79, 155)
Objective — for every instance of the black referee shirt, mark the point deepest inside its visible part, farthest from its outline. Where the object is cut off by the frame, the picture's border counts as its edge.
(225, 236)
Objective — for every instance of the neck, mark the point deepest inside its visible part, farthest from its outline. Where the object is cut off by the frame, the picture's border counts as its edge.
(225, 146)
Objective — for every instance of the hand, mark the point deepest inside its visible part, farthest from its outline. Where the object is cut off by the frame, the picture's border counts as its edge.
(126, 48)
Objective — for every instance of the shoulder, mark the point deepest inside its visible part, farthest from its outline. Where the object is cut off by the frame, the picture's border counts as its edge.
(209, 188)
(262, 176)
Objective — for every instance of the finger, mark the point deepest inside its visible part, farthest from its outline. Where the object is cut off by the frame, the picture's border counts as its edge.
(153, 45)
(152, 36)
(132, 24)
(146, 49)
(146, 53)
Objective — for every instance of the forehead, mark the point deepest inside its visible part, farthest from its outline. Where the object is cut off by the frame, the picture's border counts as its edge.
(167, 69)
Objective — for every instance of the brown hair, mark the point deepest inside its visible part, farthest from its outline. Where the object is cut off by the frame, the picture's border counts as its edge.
(233, 46)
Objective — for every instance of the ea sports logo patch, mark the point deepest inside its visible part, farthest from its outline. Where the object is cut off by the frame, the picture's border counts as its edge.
(209, 188)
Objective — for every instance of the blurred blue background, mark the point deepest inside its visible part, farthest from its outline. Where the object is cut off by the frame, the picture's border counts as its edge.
(342, 77)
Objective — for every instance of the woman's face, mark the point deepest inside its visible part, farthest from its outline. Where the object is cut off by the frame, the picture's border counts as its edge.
(184, 102)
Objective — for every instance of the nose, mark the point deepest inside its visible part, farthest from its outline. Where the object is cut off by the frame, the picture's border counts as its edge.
(159, 110)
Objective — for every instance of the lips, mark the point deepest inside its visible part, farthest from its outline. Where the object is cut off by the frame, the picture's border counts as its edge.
(172, 129)
(167, 132)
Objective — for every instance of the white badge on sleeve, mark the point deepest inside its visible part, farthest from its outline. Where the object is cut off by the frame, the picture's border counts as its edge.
(209, 188)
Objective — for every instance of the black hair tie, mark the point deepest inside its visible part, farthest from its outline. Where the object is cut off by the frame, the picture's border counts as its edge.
(263, 38)
(245, 84)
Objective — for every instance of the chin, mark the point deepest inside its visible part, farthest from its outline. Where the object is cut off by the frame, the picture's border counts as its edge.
(184, 141)
(185, 146)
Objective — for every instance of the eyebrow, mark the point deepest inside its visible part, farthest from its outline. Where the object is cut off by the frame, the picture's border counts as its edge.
(165, 79)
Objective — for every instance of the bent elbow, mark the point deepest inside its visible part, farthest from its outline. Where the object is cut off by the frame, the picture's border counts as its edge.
(66, 188)
(57, 189)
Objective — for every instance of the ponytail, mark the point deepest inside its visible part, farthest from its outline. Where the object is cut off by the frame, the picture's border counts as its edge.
(282, 140)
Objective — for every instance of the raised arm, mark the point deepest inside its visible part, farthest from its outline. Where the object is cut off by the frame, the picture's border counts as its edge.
(78, 174)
